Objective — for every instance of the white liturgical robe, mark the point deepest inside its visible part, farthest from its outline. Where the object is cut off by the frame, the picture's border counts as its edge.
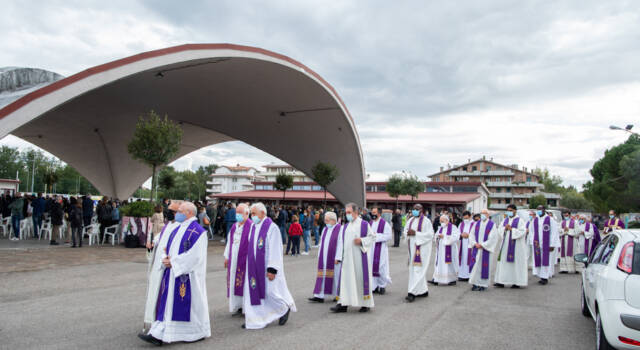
(235, 301)
(325, 240)
(511, 267)
(446, 272)
(488, 245)
(464, 270)
(382, 239)
(569, 244)
(418, 266)
(352, 276)
(544, 271)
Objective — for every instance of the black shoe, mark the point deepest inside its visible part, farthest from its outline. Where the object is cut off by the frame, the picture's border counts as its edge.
(73, 246)
(577, 272)
(243, 326)
(53, 243)
(284, 318)
(463, 279)
(423, 295)
(499, 285)
(515, 286)
(433, 282)
(150, 339)
(543, 281)
(338, 308)
(364, 309)
(410, 298)
(481, 289)
(237, 313)
(452, 283)
(564, 272)
(316, 300)
(474, 288)
(376, 291)
(382, 291)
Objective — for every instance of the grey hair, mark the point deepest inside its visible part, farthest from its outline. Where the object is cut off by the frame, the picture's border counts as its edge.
(353, 206)
(260, 207)
(444, 217)
(190, 207)
(331, 216)
(243, 205)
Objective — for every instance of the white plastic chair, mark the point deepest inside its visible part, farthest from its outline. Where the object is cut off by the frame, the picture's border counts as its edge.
(5, 225)
(93, 231)
(111, 231)
(45, 230)
(26, 228)
(94, 219)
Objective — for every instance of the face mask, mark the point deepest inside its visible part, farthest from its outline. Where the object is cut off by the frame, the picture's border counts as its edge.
(180, 217)
(611, 216)
(566, 218)
(239, 217)
(509, 213)
(582, 221)
(539, 212)
(255, 219)
(415, 212)
(330, 226)
(374, 217)
(483, 217)
(349, 217)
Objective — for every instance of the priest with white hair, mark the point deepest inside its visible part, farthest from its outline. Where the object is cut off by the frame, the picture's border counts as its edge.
(235, 258)
(379, 258)
(328, 270)
(482, 241)
(446, 262)
(512, 260)
(266, 295)
(356, 275)
(182, 310)
(418, 232)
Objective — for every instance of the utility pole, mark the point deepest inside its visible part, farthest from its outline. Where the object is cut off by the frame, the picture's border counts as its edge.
(33, 172)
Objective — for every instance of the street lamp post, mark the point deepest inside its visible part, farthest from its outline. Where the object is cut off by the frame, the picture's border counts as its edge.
(627, 129)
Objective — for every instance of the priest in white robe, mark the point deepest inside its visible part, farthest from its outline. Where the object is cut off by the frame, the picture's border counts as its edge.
(418, 232)
(356, 275)
(483, 241)
(511, 266)
(182, 310)
(156, 269)
(446, 262)
(379, 258)
(463, 257)
(543, 240)
(328, 267)
(266, 295)
(235, 258)
(569, 243)
(586, 237)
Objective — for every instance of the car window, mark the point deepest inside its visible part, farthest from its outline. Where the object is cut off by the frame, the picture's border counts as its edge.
(607, 252)
(596, 254)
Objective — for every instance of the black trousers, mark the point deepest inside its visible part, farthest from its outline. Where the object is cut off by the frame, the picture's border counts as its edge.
(396, 237)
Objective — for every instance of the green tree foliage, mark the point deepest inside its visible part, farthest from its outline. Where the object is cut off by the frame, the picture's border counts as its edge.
(185, 184)
(412, 186)
(50, 178)
(138, 209)
(395, 187)
(552, 183)
(616, 179)
(571, 199)
(324, 174)
(283, 183)
(155, 141)
(537, 200)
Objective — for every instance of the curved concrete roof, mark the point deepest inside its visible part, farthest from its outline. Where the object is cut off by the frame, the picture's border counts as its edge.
(218, 92)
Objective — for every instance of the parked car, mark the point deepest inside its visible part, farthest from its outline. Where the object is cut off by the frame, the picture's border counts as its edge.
(611, 290)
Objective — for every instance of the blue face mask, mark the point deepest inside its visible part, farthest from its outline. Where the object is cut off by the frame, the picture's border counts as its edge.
(566, 218)
(329, 226)
(239, 217)
(611, 216)
(349, 217)
(582, 221)
(255, 219)
(180, 217)
(539, 212)
(509, 213)
(483, 217)
(415, 212)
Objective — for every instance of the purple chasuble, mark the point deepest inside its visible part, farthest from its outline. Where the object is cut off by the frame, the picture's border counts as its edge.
(567, 251)
(447, 249)
(417, 261)
(541, 254)
(378, 250)
(595, 240)
(257, 262)
(327, 274)
(511, 248)
(241, 265)
(461, 238)
(485, 253)
(182, 284)
(614, 222)
(364, 229)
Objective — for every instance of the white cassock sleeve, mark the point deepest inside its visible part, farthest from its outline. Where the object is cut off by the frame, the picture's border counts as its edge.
(369, 240)
(274, 241)
(424, 234)
(227, 253)
(187, 262)
(588, 234)
(519, 232)
(490, 244)
(555, 234)
(455, 236)
(385, 235)
(340, 244)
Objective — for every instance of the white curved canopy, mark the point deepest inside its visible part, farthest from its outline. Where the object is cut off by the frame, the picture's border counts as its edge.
(219, 92)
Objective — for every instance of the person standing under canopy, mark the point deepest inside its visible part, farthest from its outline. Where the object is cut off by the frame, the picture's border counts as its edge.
(356, 275)
(511, 266)
(266, 295)
(614, 223)
(419, 236)
(235, 258)
(483, 241)
(328, 272)
(380, 255)
(182, 310)
(446, 262)
(463, 253)
(568, 243)
(543, 239)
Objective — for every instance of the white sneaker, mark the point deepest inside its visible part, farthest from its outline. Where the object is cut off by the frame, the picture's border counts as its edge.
(304, 253)
(223, 241)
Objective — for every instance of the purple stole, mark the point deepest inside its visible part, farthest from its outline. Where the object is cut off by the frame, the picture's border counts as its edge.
(594, 241)
(546, 240)
(241, 265)
(257, 268)
(511, 248)
(569, 249)
(447, 248)
(461, 238)
(378, 250)
(328, 275)
(182, 284)
(614, 222)
(364, 229)
(485, 253)
(417, 261)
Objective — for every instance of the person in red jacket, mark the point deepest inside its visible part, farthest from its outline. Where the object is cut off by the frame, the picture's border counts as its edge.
(295, 231)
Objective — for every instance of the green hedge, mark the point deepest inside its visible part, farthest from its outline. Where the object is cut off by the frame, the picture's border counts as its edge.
(141, 209)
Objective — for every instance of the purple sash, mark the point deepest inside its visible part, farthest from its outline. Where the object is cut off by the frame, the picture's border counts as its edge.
(327, 276)
(614, 222)
(364, 229)
(378, 250)
(485, 253)
(569, 248)
(461, 238)
(546, 237)
(447, 249)
(417, 261)
(511, 248)
(241, 265)
(257, 269)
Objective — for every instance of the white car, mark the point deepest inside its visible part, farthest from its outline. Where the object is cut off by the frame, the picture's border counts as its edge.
(611, 290)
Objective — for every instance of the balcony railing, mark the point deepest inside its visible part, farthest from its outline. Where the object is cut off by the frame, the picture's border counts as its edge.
(513, 184)
(481, 173)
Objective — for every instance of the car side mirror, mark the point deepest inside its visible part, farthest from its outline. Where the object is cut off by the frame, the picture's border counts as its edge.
(581, 258)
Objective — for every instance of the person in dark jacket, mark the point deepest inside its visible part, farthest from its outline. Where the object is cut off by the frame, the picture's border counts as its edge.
(229, 218)
(396, 220)
(56, 213)
(87, 210)
(38, 210)
(103, 210)
(75, 218)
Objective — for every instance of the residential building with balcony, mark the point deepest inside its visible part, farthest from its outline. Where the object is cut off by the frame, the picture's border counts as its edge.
(232, 179)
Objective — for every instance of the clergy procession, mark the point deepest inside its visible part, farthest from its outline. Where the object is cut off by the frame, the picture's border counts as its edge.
(352, 262)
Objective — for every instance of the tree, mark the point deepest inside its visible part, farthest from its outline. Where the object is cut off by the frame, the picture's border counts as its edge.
(283, 183)
(155, 141)
(50, 178)
(324, 174)
(412, 186)
(552, 183)
(395, 187)
(166, 180)
(574, 200)
(616, 184)
(537, 200)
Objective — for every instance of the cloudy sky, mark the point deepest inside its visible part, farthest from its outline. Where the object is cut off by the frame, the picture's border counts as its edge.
(431, 84)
